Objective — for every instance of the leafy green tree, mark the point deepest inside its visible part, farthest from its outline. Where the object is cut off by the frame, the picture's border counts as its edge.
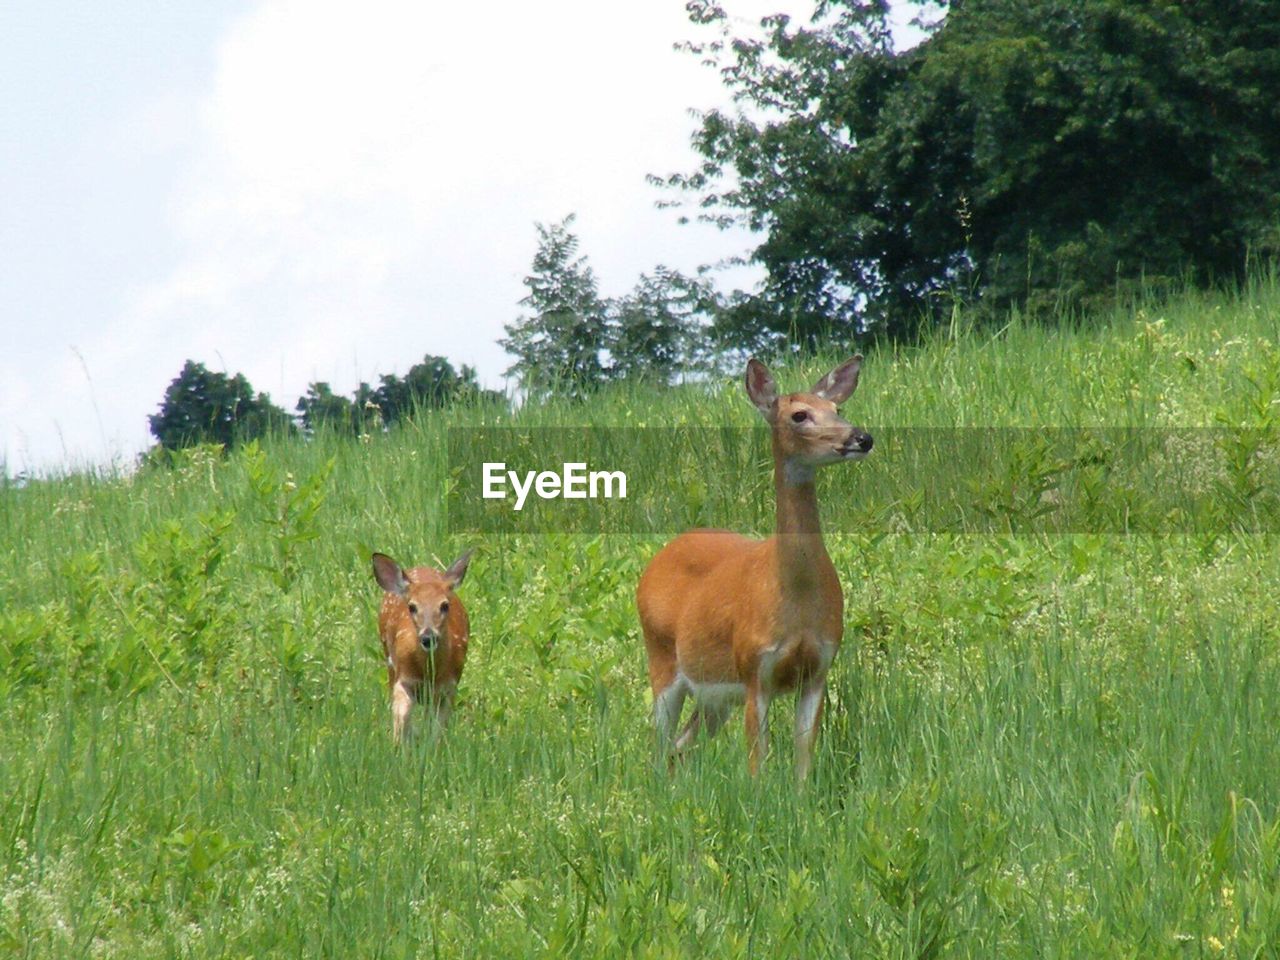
(429, 384)
(559, 347)
(1026, 149)
(203, 406)
(432, 383)
(655, 331)
(321, 406)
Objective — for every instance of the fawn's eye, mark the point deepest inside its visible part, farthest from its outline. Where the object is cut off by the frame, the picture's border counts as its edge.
(413, 608)
(444, 606)
(800, 416)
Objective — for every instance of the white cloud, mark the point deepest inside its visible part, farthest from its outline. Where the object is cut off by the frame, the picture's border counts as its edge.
(359, 182)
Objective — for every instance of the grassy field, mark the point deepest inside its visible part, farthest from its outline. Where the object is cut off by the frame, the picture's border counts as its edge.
(1037, 744)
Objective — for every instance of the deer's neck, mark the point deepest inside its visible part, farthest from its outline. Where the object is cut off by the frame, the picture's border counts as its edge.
(801, 553)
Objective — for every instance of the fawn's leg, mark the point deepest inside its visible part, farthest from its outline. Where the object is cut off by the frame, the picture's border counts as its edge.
(401, 705)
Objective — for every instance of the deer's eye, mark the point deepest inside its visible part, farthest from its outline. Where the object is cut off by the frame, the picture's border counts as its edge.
(800, 416)
(413, 608)
(444, 606)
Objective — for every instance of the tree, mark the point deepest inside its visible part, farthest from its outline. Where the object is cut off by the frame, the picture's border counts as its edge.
(1025, 149)
(201, 406)
(559, 347)
(429, 384)
(654, 330)
(321, 406)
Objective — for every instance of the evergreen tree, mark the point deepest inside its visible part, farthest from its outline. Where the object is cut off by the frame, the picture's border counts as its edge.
(558, 348)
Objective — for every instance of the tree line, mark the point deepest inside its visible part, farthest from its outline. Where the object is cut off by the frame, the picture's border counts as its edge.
(206, 406)
(573, 342)
(1046, 156)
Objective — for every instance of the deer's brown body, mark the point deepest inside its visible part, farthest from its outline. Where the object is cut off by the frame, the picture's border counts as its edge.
(728, 618)
(425, 632)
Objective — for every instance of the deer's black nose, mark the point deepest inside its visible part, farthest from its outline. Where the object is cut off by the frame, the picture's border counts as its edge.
(857, 442)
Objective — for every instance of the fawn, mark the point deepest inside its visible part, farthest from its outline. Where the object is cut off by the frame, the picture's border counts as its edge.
(727, 618)
(424, 630)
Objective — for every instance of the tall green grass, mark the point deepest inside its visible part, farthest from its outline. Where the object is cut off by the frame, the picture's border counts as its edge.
(1034, 746)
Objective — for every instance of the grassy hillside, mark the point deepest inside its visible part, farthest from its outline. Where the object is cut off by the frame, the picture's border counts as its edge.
(1036, 744)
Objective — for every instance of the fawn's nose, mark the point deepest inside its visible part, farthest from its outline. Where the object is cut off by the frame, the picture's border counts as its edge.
(428, 640)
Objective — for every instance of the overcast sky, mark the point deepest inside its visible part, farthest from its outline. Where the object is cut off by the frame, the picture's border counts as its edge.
(303, 190)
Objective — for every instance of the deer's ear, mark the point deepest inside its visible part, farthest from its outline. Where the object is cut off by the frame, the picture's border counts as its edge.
(389, 575)
(838, 385)
(457, 570)
(761, 388)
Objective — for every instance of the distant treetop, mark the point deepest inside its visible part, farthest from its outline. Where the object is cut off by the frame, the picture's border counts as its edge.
(1026, 152)
(204, 406)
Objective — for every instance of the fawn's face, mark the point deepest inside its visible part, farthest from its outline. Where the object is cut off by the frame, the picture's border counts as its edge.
(807, 429)
(426, 595)
(428, 605)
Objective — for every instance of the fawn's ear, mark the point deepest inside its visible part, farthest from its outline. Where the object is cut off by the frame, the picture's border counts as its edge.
(839, 384)
(458, 569)
(389, 575)
(761, 388)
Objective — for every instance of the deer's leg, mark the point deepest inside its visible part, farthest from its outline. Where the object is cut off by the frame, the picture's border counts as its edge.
(401, 705)
(808, 720)
(757, 720)
(442, 709)
(711, 717)
(714, 718)
(690, 731)
(708, 715)
(667, 705)
(660, 651)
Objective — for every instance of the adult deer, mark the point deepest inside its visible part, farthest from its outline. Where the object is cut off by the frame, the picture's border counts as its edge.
(425, 631)
(727, 618)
